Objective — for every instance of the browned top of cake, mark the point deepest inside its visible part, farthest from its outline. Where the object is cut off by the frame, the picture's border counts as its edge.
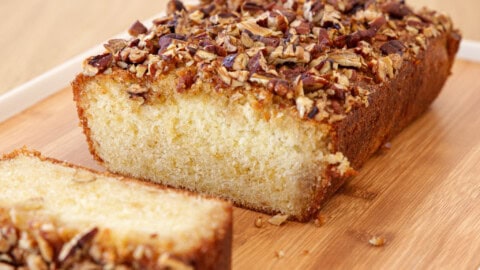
(323, 57)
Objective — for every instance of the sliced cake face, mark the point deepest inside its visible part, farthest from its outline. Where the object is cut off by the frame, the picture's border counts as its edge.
(120, 215)
(204, 141)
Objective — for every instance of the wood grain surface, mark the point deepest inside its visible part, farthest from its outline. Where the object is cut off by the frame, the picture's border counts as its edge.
(37, 35)
(421, 196)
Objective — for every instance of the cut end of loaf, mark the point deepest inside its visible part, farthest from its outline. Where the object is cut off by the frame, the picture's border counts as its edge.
(219, 144)
(63, 215)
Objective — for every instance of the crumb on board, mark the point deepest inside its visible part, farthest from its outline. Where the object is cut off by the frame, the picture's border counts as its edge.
(387, 146)
(320, 220)
(377, 241)
(278, 219)
(258, 222)
(280, 254)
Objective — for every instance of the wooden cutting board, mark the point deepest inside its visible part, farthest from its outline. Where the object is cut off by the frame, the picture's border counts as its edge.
(422, 196)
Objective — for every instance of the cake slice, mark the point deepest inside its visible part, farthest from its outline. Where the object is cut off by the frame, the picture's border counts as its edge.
(270, 104)
(55, 215)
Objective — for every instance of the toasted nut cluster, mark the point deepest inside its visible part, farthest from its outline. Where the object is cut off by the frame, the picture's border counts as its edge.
(317, 56)
(38, 243)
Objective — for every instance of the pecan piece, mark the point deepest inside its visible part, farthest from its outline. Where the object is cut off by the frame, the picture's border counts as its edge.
(304, 105)
(35, 262)
(312, 82)
(77, 243)
(302, 27)
(251, 7)
(175, 6)
(186, 78)
(8, 238)
(257, 63)
(392, 46)
(137, 28)
(353, 39)
(313, 112)
(207, 56)
(96, 64)
(277, 21)
(347, 59)
(397, 10)
(252, 26)
(137, 56)
(279, 86)
(236, 61)
(169, 262)
(115, 45)
(269, 41)
(166, 40)
(289, 14)
(46, 250)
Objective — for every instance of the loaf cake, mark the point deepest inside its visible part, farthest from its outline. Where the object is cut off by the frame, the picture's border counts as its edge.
(55, 215)
(270, 104)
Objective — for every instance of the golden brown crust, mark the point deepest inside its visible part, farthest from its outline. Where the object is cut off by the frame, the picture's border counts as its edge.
(56, 247)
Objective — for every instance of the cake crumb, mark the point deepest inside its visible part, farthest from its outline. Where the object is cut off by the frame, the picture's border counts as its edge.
(377, 241)
(278, 219)
(320, 220)
(280, 254)
(387, 146)
(258, 222)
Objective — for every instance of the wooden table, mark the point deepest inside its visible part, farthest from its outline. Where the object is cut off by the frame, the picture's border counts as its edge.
(421, 196)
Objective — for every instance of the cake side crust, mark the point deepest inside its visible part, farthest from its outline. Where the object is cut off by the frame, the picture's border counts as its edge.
(394, 105)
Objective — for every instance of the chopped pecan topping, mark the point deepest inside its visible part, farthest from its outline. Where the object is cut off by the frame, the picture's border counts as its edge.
(312, 55)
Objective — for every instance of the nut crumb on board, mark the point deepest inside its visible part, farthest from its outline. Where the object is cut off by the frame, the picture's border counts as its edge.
(387, 146)
(278, 219)
(280, 254)
(377, 241)
(320, 220)
(258, 222)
